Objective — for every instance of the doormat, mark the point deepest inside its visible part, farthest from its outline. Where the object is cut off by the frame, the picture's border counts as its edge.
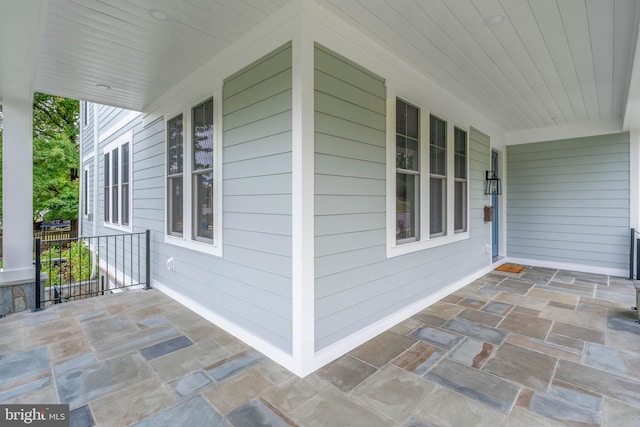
(511, 268)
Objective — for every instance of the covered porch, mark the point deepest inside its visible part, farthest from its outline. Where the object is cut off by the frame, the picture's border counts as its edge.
(543, 347)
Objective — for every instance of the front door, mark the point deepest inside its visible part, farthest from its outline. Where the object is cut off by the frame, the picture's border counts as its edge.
(495, 225)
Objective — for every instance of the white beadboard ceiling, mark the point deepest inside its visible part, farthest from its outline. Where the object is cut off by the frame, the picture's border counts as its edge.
(549, 62)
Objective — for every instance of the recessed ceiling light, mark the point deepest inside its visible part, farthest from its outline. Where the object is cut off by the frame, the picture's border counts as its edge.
(103, 86)
(158, 15)
(494, 20)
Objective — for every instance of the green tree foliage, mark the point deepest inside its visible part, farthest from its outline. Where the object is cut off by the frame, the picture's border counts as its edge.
(55, 157)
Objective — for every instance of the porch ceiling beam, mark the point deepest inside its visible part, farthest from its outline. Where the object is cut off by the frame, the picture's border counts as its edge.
(21, 28)
(631, 119)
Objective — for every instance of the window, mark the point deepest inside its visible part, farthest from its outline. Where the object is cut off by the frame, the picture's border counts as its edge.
(117, 176)
(427, 180)
(407, 172)
(174, 175)
(193, 193)
(460, 176)
(438, 176)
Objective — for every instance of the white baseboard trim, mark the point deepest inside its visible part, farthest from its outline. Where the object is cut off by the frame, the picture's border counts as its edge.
(347, 344)
(571, 267)
(272, 352)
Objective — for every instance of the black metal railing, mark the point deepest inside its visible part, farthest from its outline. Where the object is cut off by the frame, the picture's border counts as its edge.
(90, 266)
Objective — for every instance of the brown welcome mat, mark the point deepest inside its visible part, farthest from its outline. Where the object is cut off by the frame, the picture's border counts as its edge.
(511, 268)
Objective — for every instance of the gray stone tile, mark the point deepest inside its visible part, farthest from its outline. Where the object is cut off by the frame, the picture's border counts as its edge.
(487, 389)
(75, 364)
(234, 365)
(133, 403)
(576, 396)
(23, 364)
(335, 408)
(295, 391)
(444, 408)
(237, 390)
(154, 322)
(472, 303)
(394, 392)
(193, 412)
(555, 350)
(91, 315)
(255, 413)
(526, 325)
(165, 347)
(620, 414)
(498, 308)
(605, 358)
(481, 317)
(23, 389)
(515, 286)
(578, 332)
(625, 322)
(616, 296)
(134, 341)
(81, 417)
(472, 353)
(562, 411)
(522, 417)
(414, 422)
(564, 341)
(536, 277)
(437, 337)
(106, 328)
(79, 387)
(382, 349)
(188, 359)
(522, 366)
(346, 372)
(475, 330)
(41, 317)
(190, 384)
(599, 381)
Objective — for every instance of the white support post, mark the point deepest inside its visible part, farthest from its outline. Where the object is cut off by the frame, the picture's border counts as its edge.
(17, 190)
(303, 277)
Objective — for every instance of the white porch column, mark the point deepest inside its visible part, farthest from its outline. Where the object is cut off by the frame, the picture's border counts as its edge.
(17, 183)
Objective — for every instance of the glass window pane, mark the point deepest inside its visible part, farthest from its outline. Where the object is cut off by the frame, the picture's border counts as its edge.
(437, 146)
(203, 227)
(406, 206)
(107, 189)
(437, 204)
(412, 122)
(114, 204)
(401, 117)
(460, 197)
(203, 135)
(175, 206)
(401, 152)
(174, 145)
(115, 178)
(125, 163)
(125, 204)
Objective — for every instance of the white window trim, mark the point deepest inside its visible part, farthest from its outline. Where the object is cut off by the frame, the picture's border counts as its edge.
(187, 240)
(424, 241)
(127, 137)
(86, 192)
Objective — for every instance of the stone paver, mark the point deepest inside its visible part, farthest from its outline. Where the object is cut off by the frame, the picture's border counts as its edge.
(543, 347)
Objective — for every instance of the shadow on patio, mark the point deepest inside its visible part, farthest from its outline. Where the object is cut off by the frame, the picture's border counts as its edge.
(543, 347)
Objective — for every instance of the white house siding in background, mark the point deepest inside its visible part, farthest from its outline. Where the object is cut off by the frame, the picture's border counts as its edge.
(568, 202)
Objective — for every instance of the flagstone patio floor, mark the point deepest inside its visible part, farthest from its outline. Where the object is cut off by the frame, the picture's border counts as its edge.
(539, 348)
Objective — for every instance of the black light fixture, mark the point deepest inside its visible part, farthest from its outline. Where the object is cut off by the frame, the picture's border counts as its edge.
(493, 185)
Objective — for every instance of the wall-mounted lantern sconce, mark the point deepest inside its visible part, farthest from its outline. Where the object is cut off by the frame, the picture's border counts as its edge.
(493, 185)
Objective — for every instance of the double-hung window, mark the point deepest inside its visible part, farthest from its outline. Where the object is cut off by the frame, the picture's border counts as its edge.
(193, 188)
(427, 169)
(117, 178)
